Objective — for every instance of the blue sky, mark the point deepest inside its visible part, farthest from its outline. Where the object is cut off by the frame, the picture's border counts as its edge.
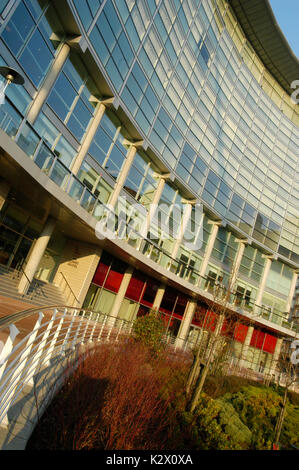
(287, 16)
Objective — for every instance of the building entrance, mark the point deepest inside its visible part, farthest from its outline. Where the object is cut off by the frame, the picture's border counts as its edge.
(17, 233)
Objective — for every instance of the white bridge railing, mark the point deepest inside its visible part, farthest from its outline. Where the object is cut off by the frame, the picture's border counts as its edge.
(31, 340)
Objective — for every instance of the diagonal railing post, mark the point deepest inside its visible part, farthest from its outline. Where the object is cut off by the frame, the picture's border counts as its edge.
(77, 333)
(119, 330)
(94, 327)
(36, 358)
(55, 337)
(7, 348)
(67, 337)
(103, 324)
(86, 328)
(7, 398)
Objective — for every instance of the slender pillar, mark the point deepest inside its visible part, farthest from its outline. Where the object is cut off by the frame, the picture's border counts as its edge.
(90, 134)
(121, 292)
(36, 256)
(184, 222)
(124, 173)
(236, 266)
(4, 191)
(276, 356)
(259, 297)
(48, 83)
(242, 359)
(159, 297)
(153, 206)
(209, 247)
(291, 292)
(185, 323)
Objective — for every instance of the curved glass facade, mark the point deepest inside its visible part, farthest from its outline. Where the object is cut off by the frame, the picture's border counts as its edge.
(189, 90)
(189, 86)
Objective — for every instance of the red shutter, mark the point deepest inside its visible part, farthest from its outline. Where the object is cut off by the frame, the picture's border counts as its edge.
(257, 339)
(270, 343)
(240, 332)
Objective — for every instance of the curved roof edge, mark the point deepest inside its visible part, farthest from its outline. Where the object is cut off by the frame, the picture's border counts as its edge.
(259, 24)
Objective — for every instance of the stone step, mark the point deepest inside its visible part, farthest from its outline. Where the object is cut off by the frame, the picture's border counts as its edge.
(40, 293)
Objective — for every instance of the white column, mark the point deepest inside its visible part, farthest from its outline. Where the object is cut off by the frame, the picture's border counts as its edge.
(90, 134)
(236, 265)
(48, 83)
(209, 247)
(259, 297)
(276, 355)
(185, 323)
(36, 256)
(153, 206)
(124, 173)
(184, 222)
(291, 292)
(242, 360)
(121, 292)
(159, 296)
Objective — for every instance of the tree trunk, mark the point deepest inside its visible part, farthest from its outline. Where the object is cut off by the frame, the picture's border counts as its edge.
(281, 417)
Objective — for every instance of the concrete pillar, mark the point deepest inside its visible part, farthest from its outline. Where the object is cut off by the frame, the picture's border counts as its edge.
(185, 323)
(209, 247)
(159, 296)
(36, 255)
(48, 83)
(124, 172)
(121, 293)
(291, 292)
(259, 297)
(153, 206)
(236, 266)
(184, 222)
(276, 356)
(242, 359)
(90, 134)
(4, 191)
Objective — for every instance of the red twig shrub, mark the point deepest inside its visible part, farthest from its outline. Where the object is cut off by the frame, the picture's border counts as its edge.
(117, 399)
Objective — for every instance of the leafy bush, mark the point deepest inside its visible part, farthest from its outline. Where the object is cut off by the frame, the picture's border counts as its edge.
(239, 435)
(149, 330)
(258, 408)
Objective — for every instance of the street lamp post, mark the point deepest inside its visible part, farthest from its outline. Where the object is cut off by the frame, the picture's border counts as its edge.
(11, 76)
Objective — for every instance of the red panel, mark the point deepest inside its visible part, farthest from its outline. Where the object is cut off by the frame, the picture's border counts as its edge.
(100, 274)
(257, 339)
(113, 280)
(270, 343)
(240, 332)
(135, 286)
(115, 275)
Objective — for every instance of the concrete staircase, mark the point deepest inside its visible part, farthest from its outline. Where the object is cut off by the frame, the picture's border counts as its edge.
(40, 293)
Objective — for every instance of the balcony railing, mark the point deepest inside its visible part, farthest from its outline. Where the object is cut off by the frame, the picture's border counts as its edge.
(37, 149)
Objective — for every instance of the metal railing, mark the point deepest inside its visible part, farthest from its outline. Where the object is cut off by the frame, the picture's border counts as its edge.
(55, 332)
(67, 291)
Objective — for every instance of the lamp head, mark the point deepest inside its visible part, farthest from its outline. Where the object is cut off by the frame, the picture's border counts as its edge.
(11, 75)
